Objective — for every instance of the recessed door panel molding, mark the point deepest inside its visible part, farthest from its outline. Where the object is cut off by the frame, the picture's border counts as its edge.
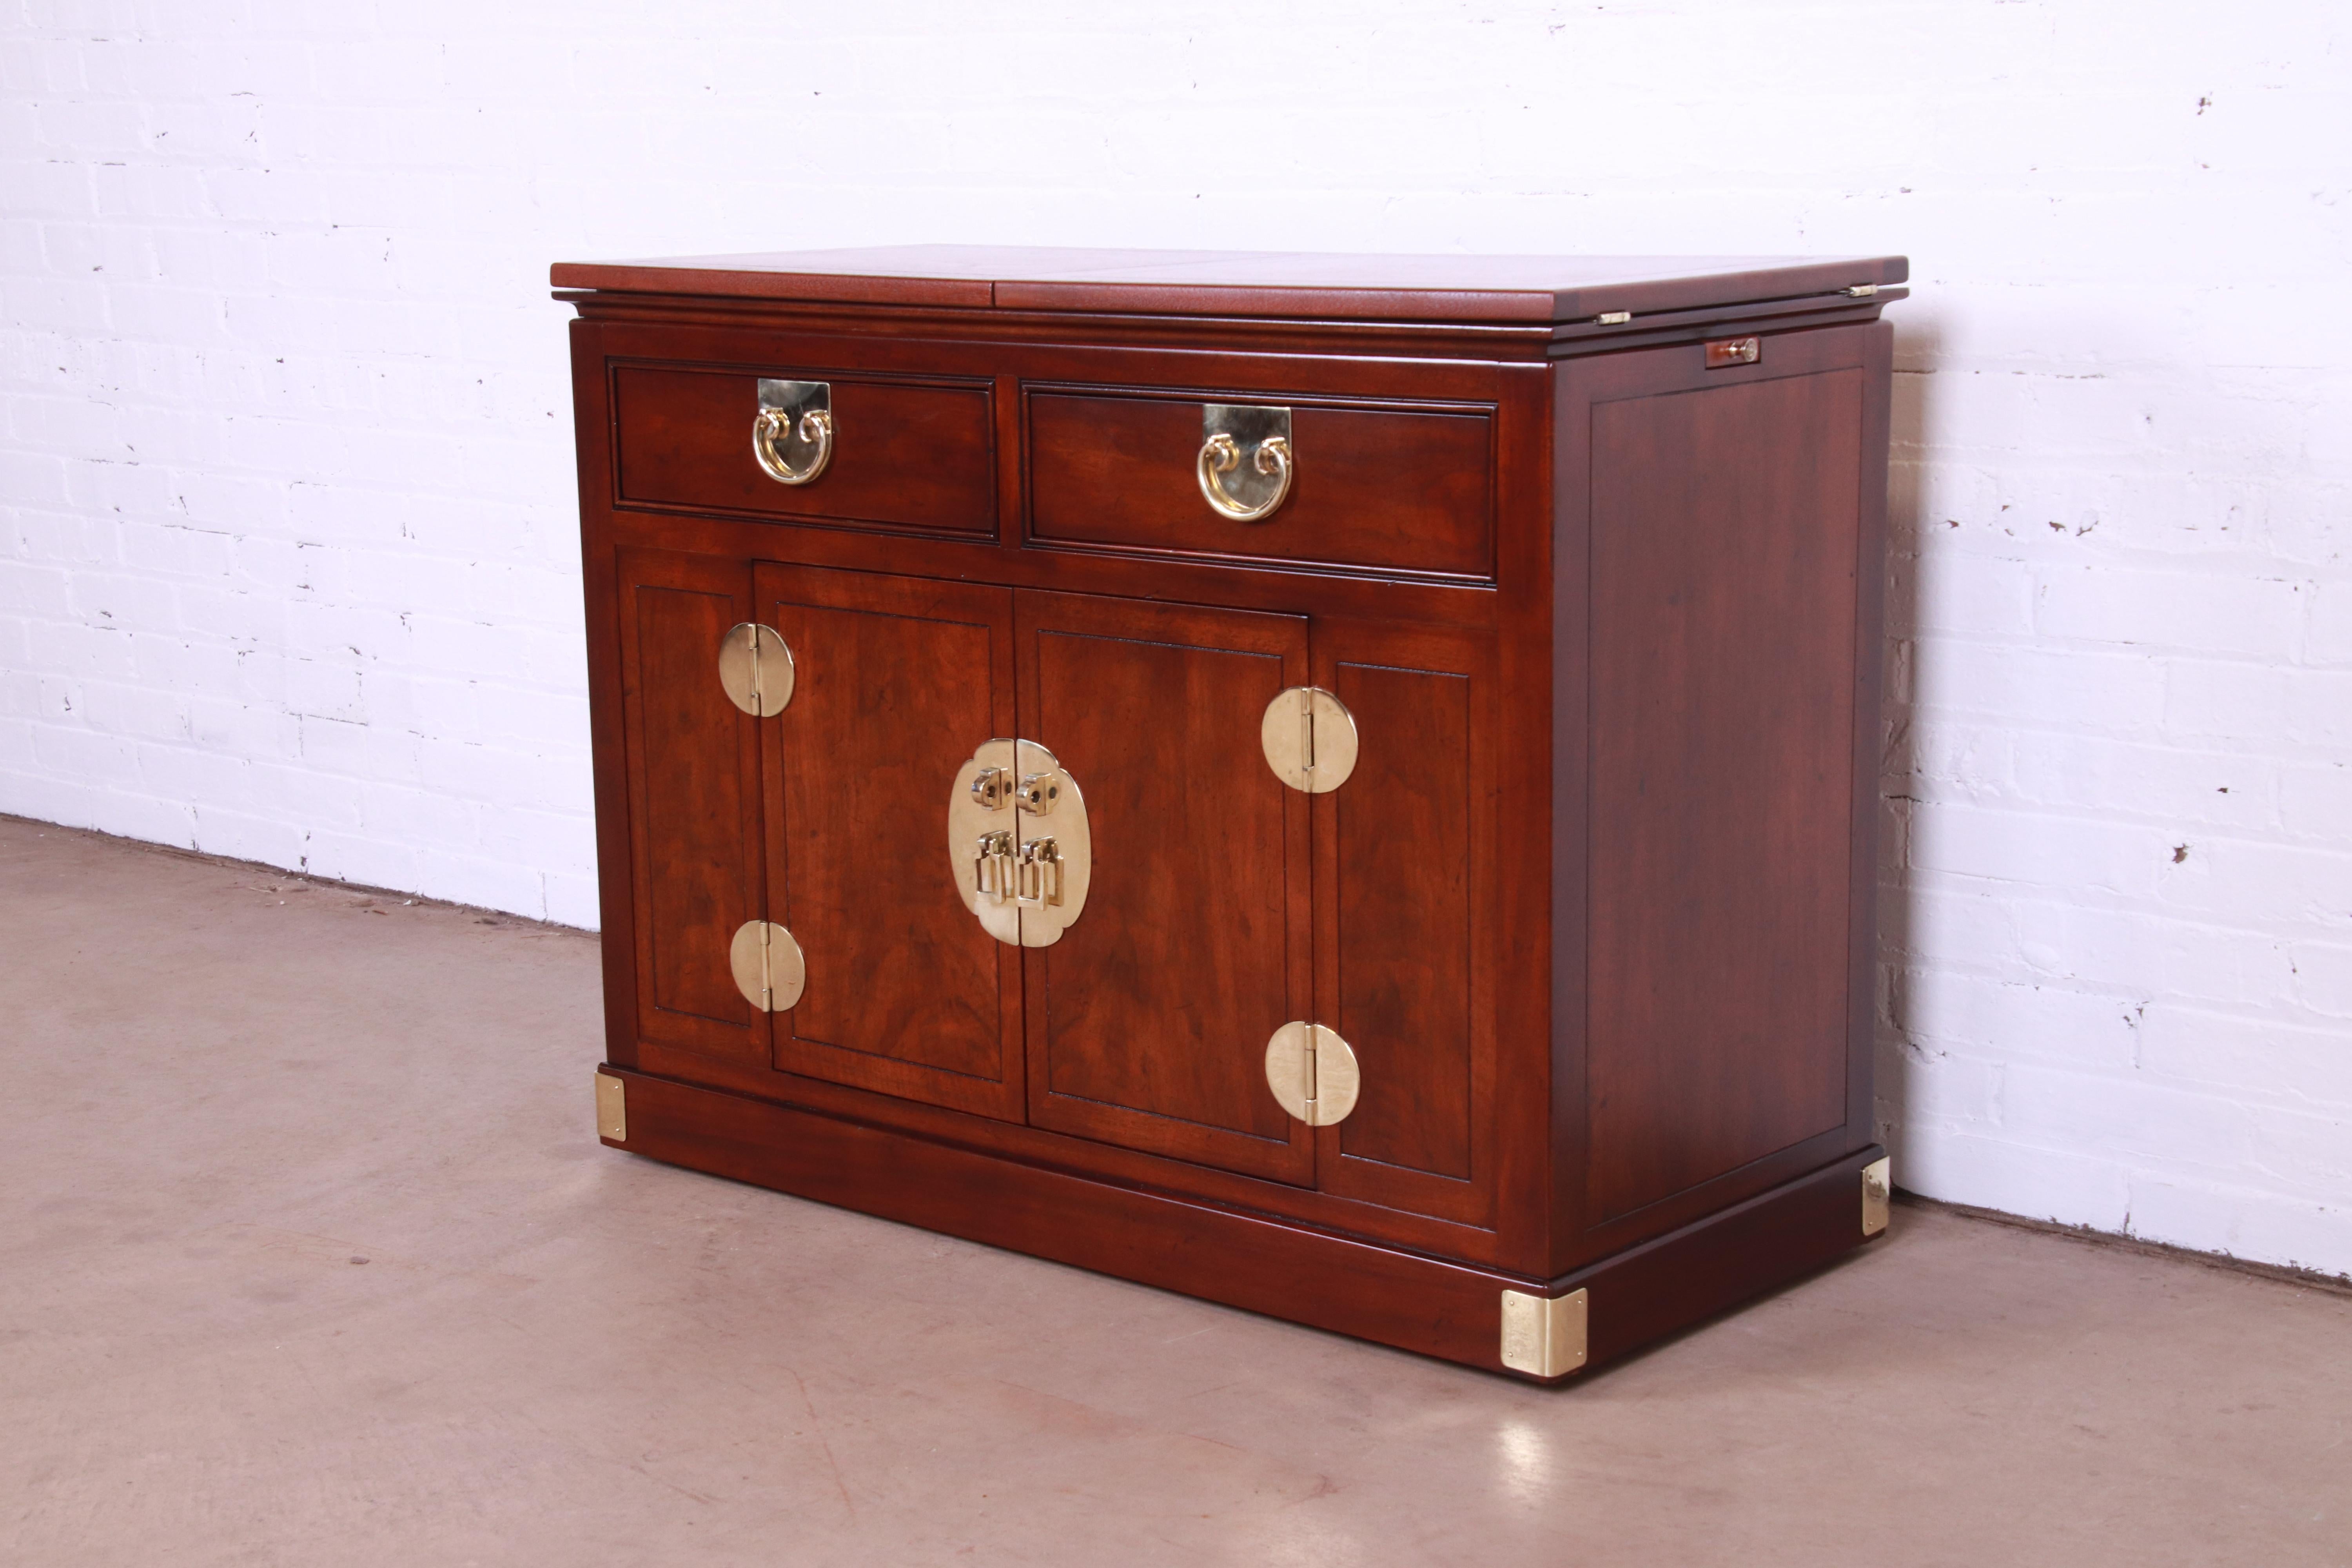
(692, 758)
(1148, 1021)
(896, 680)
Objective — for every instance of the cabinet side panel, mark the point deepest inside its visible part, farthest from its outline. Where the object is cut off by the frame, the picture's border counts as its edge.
(1725, 524)
(1404, 854)
(693, 832)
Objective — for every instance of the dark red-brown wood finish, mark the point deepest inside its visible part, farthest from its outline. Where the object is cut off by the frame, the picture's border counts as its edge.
(1592, 911)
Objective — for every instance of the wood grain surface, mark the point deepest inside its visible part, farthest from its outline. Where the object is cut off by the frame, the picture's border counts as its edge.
(1240, 283)
(897, 680)
(911, 455)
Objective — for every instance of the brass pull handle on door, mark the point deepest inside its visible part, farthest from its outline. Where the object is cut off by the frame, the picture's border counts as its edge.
(1225, 428)
(788, 409)
(1025, 886)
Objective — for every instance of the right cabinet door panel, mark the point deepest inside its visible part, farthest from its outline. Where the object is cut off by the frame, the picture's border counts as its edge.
(1399, 850)
(1148, 1021)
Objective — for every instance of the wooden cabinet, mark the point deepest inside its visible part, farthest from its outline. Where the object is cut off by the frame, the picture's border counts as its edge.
(1342, 785)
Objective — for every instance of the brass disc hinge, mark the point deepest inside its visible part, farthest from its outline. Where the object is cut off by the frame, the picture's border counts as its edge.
(1877, 1188)
(1309, 739)
(756, 669)
(1543, 1336)
(767, 965)
(611, 1108)
(1019, 843)
(1313, 1073)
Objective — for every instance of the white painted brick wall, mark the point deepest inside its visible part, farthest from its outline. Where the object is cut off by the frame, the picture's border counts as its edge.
(287, 563)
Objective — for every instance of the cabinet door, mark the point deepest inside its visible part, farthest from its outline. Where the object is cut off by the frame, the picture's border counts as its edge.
(1148, 1021)
(1401, 849)
(896, 681)
(692, 760)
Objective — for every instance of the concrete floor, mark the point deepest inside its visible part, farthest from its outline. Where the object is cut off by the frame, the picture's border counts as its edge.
(308, 1255)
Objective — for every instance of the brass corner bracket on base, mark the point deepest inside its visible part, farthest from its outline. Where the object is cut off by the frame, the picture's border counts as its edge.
(1877, 1187)
(1543, 1336)
(611, 1108)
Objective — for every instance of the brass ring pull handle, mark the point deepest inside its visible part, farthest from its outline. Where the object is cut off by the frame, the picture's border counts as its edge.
(1229, 431)
(787, 408)
(1221, 456)
(816, 430)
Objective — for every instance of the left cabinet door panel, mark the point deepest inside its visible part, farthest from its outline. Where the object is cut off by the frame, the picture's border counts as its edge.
(896, 680)
(693, 764)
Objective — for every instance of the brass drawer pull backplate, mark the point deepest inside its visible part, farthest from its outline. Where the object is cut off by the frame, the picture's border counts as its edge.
(1258, 488)
(795, 418)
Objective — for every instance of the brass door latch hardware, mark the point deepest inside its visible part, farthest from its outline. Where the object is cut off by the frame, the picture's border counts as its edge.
(767, 965)
(1877, 1189)
(756, 669)
(795, 418)
(1544, 1336)
(1022, 878)
(611, 1108)
(1313, 1073)
(1258, 488)
(1309, 739)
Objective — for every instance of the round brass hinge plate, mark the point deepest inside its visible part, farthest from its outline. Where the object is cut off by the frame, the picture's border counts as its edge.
(755, 668)
(1313, 1073)
(767, 965)
(1309, 739)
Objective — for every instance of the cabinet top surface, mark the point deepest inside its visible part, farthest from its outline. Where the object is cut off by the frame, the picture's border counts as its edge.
(1518, 289)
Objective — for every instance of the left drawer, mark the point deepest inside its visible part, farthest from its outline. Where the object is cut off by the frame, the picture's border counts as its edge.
(904, 454)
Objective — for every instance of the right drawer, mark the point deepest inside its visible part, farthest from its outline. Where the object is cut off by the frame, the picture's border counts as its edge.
(1372, 487)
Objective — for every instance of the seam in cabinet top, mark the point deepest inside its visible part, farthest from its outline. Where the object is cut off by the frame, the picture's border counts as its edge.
(1280, 284)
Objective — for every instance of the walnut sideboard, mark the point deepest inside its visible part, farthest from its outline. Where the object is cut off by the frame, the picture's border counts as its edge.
(1341, 786)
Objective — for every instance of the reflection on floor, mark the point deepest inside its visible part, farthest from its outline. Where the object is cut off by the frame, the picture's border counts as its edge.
(308, 1255)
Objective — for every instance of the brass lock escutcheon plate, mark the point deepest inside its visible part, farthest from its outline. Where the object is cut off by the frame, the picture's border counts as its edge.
(1245, 461)
(1313, 1073)
(792, 435)
(756, 668)
(1309, 739)
(767, 965)
(1018, 843)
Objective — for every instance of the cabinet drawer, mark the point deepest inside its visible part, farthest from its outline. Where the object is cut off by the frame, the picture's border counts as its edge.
(1371, 488)
(916, 454)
